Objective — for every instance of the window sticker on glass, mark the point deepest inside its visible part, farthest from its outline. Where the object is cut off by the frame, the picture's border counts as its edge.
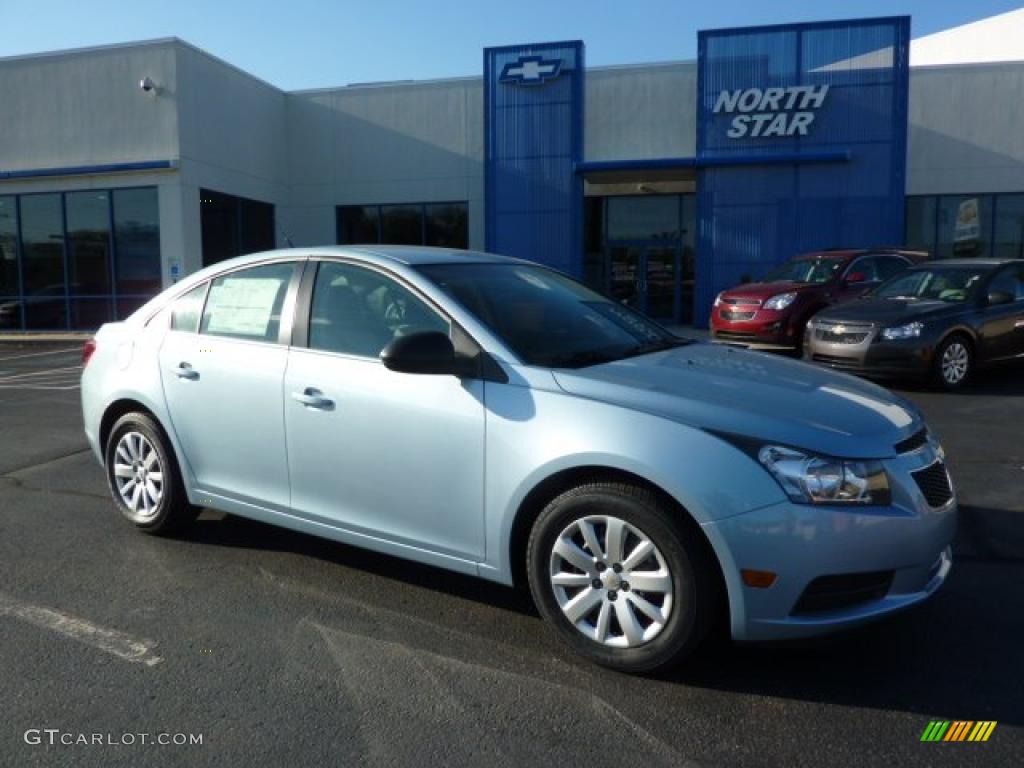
(242, 306)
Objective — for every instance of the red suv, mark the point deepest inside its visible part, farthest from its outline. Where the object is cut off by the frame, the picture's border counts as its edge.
(772, 314)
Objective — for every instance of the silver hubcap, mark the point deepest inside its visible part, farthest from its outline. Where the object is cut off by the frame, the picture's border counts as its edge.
(611, 582)
(138, 474)
(954, 363)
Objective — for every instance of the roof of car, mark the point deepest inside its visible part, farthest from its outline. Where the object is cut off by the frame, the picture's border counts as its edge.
(844, 253)
(412, 255)
(965, 263)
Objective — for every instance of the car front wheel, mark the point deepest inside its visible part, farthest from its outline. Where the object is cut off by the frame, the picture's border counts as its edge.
(954, 362)
(621, 577)
(143, 476)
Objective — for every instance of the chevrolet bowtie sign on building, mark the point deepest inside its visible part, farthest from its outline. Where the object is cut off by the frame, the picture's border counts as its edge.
(530, 70)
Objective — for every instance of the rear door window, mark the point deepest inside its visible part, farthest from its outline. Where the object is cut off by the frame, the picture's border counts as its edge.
(247, 303)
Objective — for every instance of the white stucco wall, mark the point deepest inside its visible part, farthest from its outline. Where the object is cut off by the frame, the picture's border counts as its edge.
(388, 143)
(641, 112)
(964, 131)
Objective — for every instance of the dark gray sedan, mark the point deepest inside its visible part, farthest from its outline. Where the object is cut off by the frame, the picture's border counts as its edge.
(938, 321)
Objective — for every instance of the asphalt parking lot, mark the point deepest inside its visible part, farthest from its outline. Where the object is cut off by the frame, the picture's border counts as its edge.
(284, 649)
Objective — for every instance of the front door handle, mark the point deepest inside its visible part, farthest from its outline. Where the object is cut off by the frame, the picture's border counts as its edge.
(186, 371)
(313, 398)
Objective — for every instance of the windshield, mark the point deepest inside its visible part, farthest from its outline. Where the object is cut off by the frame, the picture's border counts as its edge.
(805, 270)
(937, 284)
(546, 318)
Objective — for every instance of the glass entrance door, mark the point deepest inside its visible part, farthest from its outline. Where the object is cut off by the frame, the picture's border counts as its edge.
(645, 276)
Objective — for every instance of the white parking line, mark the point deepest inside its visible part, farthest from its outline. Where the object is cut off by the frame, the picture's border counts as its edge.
(110, 641)
(41, 354)
(46, 371)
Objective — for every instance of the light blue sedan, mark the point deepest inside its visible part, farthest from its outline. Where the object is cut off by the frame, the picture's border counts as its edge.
(494, 417)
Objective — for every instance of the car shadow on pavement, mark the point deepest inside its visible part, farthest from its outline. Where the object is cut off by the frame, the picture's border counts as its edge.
(954, 657)
(1005, 380)
(237, 532)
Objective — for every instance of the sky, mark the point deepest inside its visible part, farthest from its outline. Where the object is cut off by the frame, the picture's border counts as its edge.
(298, 44)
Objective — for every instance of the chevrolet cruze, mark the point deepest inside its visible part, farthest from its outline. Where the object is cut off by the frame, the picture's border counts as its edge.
(494, 417)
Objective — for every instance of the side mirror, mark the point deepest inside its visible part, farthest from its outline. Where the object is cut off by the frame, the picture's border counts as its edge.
(430, 352)
(856, 277)
(999, 297)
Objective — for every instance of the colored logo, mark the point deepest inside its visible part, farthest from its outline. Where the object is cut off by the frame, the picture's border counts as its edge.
(958, 730)
(530, 70)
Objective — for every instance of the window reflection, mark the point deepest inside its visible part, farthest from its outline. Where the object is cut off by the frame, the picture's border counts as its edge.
(71, 271)
(445, 225)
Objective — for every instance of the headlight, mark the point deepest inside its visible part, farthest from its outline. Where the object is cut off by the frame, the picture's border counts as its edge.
(718, 299)
(780, 301)
(908, 331)
(810, 479)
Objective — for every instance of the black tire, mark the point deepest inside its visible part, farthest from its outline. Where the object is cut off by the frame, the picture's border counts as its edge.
(958, 346)
(172, 511)
(693, 576)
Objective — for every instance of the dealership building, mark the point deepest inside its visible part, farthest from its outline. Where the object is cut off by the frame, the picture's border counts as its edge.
(124, 168)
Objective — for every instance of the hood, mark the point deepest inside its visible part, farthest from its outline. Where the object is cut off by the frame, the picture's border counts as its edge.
(754, 395)
(765, 291)
(888, 311)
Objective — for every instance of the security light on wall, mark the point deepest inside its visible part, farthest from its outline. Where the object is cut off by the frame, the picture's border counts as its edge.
(147, 85)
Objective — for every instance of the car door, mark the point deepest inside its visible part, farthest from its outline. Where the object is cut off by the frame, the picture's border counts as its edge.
(222, 372)
(1002, 329)
(390, 455)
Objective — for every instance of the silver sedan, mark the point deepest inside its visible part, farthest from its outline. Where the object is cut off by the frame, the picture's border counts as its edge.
(494, 417)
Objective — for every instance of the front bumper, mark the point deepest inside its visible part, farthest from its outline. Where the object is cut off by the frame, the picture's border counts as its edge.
(905, 546)
(871, 355)
(763, 329)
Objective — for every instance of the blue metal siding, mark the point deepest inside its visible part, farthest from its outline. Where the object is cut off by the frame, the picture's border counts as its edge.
(753, 217)
(533, 139)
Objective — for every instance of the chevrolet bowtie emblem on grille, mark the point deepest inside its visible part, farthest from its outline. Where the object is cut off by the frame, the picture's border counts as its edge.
(838, 329)
(530, 70)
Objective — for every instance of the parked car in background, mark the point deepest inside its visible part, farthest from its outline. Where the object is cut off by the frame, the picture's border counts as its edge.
(939, 320)
(772, 313)
(494, 417)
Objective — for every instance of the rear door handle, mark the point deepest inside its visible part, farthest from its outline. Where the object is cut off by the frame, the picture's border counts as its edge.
(313, 398)
(186, 371)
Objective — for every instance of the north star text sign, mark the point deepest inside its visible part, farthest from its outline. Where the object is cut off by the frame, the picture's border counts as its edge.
(771, 111)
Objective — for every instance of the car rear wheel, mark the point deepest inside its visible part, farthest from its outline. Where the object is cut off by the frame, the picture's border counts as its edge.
(143, 476)
(621, 578)
(954, 362)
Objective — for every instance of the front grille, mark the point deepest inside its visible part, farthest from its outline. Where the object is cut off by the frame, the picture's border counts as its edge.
(737, 335)
(841, 334)
(912, 443)
(742, 302)
(934, 483)
(733, 315)
(838, 362)
(843, 590)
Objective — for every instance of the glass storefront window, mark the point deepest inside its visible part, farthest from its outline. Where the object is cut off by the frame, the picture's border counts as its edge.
(233, 225)
(401, 224)
(920, 218)
(8, 246)
(42, 251)
(358, 224)
(654, 217)
(88, 223)
(69, 269)
(137, 240)
(445, 225)
(1009, 229)
(964, 226)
